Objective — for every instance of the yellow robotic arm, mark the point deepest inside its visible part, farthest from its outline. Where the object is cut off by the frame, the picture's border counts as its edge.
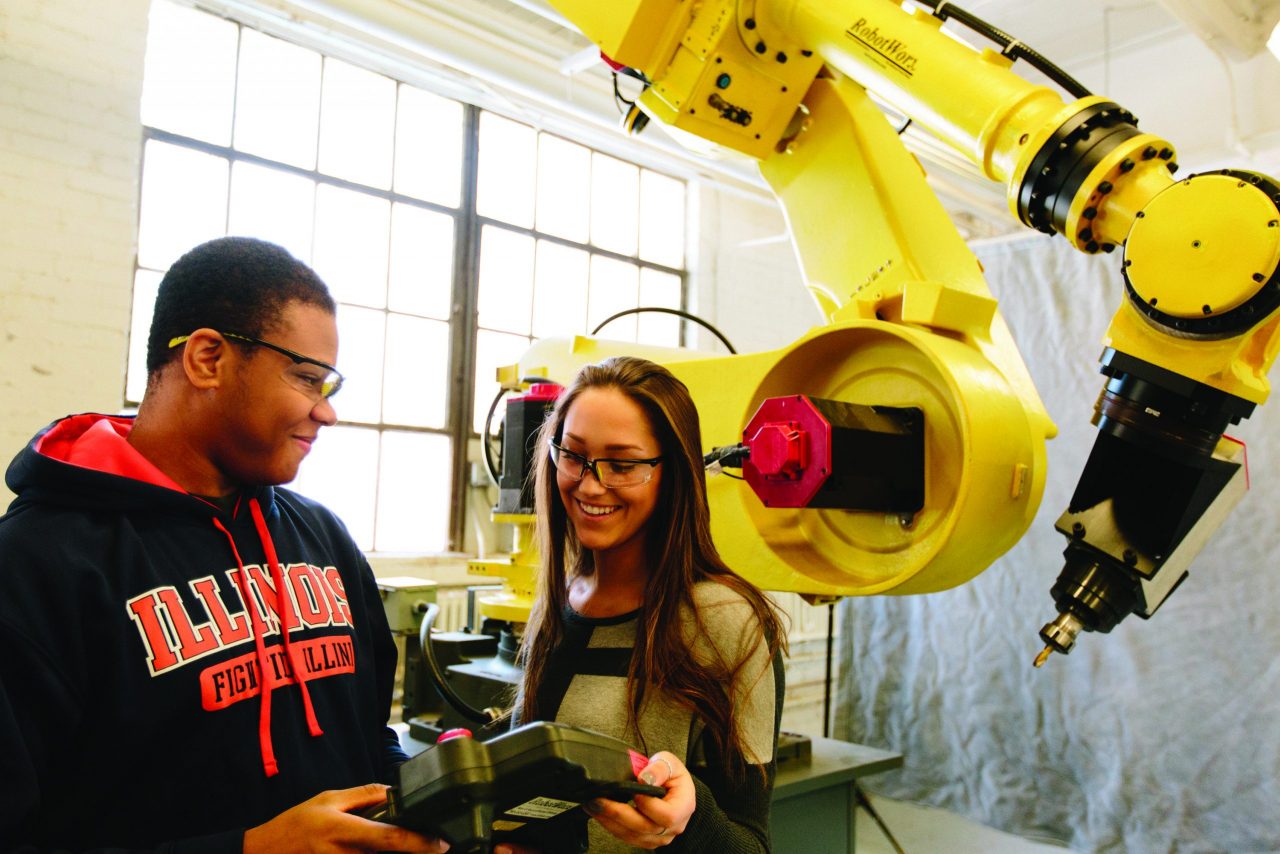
(913, 333)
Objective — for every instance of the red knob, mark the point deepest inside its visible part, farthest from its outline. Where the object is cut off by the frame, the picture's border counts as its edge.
(778, 449)
(448, 734)
(543, 391)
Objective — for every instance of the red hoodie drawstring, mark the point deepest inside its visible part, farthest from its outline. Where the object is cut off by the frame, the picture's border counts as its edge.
(266, 686)
(286, 613)
(264, 706)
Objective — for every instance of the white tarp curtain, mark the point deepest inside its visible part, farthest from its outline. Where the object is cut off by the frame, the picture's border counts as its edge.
(1163, 735)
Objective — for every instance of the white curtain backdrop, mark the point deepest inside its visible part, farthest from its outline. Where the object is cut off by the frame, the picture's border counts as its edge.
(1163, 735)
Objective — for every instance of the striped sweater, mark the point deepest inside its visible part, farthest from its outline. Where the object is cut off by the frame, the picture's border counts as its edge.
(585, 685)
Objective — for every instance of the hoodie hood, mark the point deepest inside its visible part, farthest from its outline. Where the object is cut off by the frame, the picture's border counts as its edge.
(85, 462)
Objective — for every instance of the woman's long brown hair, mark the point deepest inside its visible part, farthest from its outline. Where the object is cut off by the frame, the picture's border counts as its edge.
(680, 552)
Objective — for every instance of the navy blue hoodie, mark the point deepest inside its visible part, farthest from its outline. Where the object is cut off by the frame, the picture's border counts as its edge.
(142, 705)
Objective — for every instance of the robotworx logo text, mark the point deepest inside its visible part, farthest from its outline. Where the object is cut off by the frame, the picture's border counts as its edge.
(888, 47)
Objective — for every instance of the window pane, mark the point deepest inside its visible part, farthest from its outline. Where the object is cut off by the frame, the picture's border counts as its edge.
(357, 122)
(417, 370)
(663, 290)
(428, 147)
(564, 188)
(614, 286)
(560, 291)
(184, 202)
(615, 202)
(361, 332)
(508, 166)
(493, 350)
(352, 230)
(506, 280)
(413, 493)
(340, 474)
(277, 100)
(421, 261)
(274, 205)
(190, 75)
(145, 285)
(661, 219)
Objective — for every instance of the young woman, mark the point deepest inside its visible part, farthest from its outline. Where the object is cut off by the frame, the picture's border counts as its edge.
(641, 632)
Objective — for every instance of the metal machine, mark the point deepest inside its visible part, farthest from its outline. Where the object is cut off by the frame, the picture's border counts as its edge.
(911, 327)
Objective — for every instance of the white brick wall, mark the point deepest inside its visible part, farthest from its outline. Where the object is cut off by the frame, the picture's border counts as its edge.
(70, 141)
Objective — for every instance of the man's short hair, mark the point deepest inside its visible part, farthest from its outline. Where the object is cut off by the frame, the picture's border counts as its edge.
(235, 284)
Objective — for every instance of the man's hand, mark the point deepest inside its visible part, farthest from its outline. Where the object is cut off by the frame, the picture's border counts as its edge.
(325, 825)
(652, 822)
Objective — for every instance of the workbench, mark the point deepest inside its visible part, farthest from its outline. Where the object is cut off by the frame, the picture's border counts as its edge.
(814, 799)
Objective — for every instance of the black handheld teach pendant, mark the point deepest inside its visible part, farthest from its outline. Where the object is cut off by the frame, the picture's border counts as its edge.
(526, 787)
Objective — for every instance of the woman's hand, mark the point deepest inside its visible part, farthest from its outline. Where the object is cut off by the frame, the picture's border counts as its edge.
(325, 823)
(652, 822)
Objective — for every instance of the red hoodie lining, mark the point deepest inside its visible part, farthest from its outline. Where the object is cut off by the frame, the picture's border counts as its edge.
(97, 442)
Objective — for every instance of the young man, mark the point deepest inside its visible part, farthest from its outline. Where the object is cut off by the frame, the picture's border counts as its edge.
(192, 659)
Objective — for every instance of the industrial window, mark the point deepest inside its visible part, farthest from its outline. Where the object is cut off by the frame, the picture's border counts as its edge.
(450, 236)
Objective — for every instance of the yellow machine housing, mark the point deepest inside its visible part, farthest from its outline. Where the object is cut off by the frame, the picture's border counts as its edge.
(909, 320)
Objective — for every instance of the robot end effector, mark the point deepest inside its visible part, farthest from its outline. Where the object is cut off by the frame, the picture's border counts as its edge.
(1188, 356)
(1159, 481)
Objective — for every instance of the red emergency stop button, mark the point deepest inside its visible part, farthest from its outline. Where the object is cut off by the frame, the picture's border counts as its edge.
(450, 734)
(779, 449)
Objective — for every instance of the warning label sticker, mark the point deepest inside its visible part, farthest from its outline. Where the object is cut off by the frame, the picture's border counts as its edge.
(507, 825)
(541, 808)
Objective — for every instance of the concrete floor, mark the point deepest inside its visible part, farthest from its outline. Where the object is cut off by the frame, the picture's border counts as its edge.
(927, 830)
